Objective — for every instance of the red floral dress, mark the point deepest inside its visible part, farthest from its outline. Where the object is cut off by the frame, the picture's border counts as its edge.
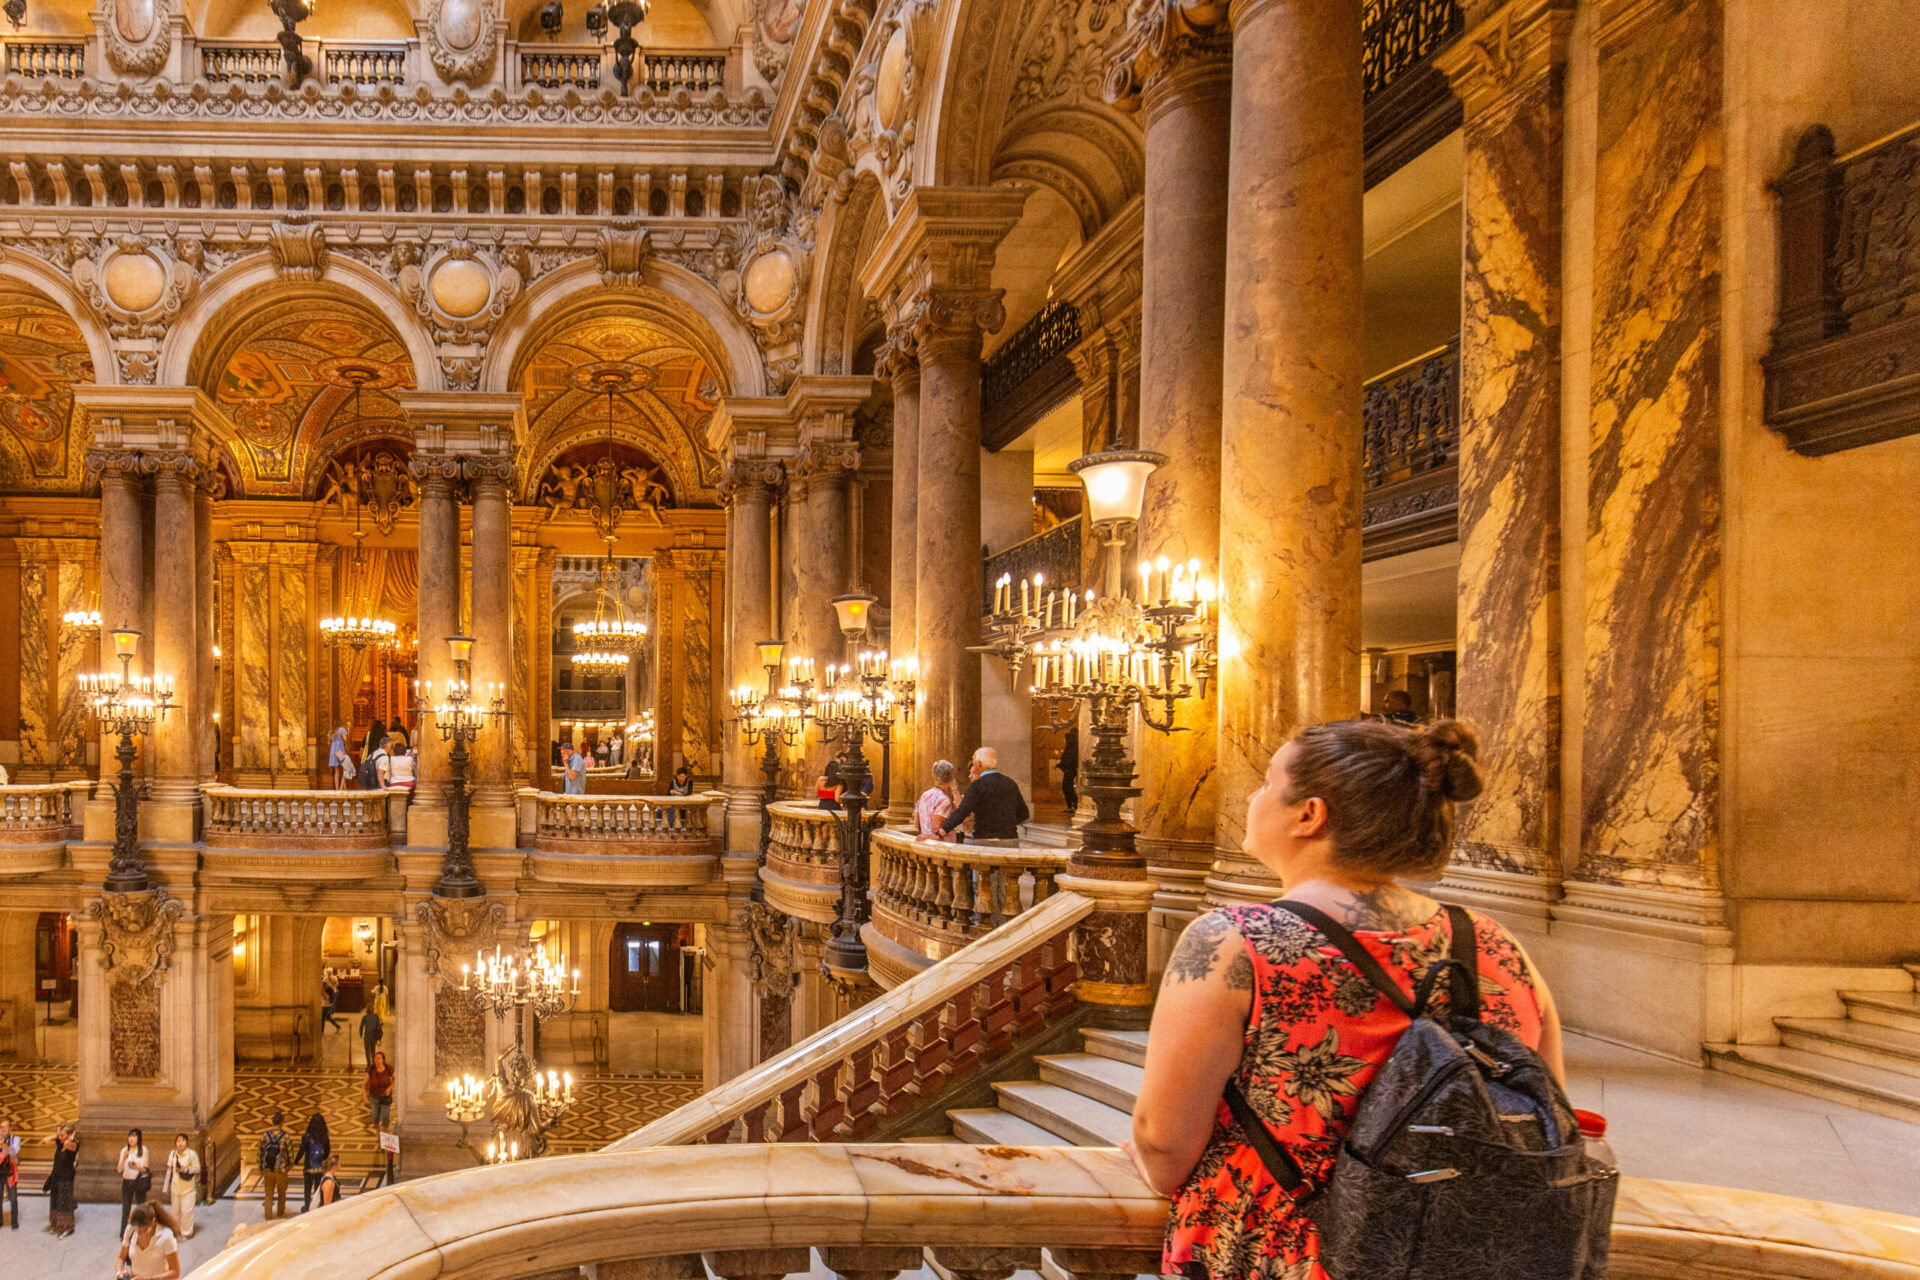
(1317, 1033)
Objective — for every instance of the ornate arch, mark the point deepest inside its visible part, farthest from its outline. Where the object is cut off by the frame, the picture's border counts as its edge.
(839, 308)
(44, 355)
(282, 365)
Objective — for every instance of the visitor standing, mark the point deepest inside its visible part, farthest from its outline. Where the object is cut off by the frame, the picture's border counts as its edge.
(315, 1147)
(9, 1172)
(379, 1089)
(274, 1159)
(148, 1251)
(376, 734)
(936, 802)
(337, 758)
(136, 1177)
(330, 1181)
(993, 801)
(61, 1204)
(402, 770)
(330, 997)
(1261, 1008)
(1069, 767)
(1398, 708)
(183, 1183)
(369, 1033)
(576, 784)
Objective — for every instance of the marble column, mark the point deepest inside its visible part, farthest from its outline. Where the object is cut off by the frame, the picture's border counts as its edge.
(439, 603)
(822, 484)
(123, 600)
(1506, 853)
(1650, 760)
(1291, 377)
(206, 689)
(903, 367)
(947, 568)
(748, 490)
(1186, 99)
(492, 665)
(177, 639)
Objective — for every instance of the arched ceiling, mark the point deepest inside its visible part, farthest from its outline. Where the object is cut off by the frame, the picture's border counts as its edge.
(665, 420)
(282, 376)
(42, 356)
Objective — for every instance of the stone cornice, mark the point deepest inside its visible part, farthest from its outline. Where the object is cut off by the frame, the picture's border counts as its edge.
(1102, 279)
(1518, 43)
(943, 238)
(755, 427)
(151, 419)
(464, 423)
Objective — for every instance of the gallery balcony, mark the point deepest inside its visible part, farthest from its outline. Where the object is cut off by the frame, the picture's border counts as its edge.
(333, 836)
(628, 841)
(36, 821)
(802, 875)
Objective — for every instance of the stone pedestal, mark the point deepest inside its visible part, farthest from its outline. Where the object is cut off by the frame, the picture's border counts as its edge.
(1291, 430)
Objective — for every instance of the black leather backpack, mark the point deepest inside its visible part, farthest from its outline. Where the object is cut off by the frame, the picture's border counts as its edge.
(1464, 1161)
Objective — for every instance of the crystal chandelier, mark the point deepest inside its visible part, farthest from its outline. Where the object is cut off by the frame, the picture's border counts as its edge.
(83, 622)
(363, 630)
(527, 1103)
(606, 642)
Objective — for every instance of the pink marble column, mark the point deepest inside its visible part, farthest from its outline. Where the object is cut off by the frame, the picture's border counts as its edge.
(823, 482)
(123, 595)
(947, 518)
(439, 616)
(177, 635)
(492, 601)
(1186, 101)
(904, 367)
(1291, 432)
(748, 491)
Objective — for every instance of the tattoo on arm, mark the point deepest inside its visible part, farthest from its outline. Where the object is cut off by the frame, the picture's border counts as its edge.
(1239, 973)
(1193, 956)
(1387, 908)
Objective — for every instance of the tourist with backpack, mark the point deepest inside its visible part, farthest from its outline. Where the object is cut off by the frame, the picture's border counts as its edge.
(274, 1157)
(373, 768)
(1356, 1082)
(315, 1147)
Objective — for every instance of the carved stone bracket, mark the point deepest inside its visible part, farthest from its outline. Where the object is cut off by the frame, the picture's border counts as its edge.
(299, 249)
(136, 933)
(773, 950)
(459, 925)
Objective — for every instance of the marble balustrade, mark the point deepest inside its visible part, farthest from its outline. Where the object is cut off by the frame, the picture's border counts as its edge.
(931, 898)
(626, 840)
(670, 819)
(239, 817)
(802, 875)
(40, 812)
(881, 1209)
(899, 1050)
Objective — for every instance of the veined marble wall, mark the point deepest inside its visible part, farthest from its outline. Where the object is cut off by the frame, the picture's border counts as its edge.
(292, 666)
(687, 584)
(270, 646)
(36, 722)
(1651, 749)
(54, 728)
(253, 674)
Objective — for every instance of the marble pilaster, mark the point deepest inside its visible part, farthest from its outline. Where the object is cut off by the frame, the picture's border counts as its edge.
(748, 490)
(251, 654)
(123, 594)
(1185, 68)
(1650, 772)
(823, 480)
(902, 366)
(493, 655)
(532, 643)
(1510, 431)
(177, 639)
(295, 630)
(1291, 427)
(206, 692)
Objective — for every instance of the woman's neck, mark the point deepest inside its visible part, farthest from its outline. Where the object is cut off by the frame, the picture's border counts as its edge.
(1379, 906)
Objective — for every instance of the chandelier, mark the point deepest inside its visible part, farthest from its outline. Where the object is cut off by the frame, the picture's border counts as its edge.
(362, 630)
(83, 622)
(606, 490)
(526, 1102)
(606, 642)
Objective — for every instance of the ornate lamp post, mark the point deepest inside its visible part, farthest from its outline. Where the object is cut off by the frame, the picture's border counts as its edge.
(126, 704)
(778, 718)
(859, 702)
(526, 1103)
(459, 718)
(1113, 653)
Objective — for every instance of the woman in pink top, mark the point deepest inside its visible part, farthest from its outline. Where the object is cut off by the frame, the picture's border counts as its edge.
(936, 802)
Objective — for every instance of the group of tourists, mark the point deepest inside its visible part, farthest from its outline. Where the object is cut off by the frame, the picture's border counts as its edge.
(990, 811)
(387, 759)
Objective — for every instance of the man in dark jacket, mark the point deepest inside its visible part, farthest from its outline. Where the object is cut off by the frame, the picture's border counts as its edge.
(993, 801)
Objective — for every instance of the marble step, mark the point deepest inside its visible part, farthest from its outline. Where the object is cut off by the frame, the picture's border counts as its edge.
(989, 1126)
(1121, 1046)
(1854, 1084)
(1104, 1080)
(1075, 1117)
(1855, 1041)
(1897, 1009)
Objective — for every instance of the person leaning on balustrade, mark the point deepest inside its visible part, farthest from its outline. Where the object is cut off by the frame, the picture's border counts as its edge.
(936, 802)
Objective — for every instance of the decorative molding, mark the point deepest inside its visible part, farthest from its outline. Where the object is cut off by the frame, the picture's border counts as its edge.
(299, 249)
(136, 934)
(460, 36)
(476, 924)
(136, 35)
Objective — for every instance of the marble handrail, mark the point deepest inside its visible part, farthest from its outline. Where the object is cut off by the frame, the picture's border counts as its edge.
(950, 894)
(672, 819)
(37, 812)
(903, 1046)
(238, 817)
(882, 1209)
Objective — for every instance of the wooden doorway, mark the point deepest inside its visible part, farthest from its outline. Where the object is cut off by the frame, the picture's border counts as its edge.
(648, 975)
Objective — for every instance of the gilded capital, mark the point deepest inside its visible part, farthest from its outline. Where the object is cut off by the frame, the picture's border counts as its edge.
(1168, 43)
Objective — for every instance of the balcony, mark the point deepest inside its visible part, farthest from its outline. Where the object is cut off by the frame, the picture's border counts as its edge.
(802, 875)
(310, 835)
(364, 63)
(1054, 554)
(41, 58)
(931, 898)
(36, 821)
(1411, 423)
(630, 841)
(1029, 374)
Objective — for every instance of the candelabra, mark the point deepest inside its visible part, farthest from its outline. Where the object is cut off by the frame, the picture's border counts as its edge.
(526, 1104)
(459, 717)
(1109, 651)
(860, 701)
(126, 704)
(777, 718)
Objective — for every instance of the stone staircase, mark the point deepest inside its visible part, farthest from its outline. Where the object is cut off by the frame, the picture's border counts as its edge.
(1080, 1100)
(1868, 1059)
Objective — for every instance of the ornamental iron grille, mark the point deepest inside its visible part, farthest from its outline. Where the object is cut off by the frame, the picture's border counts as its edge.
(1398, 35)
(1412, 417)
(1047, 337)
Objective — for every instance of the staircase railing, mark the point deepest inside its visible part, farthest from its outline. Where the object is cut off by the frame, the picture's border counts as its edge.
(899, 1050)
(931, 898)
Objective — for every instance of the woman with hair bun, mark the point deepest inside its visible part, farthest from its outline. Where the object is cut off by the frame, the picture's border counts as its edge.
(1259, 997)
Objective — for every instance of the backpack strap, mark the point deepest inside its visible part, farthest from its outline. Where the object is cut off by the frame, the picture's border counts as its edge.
(1362, 959)
(1281, 1165)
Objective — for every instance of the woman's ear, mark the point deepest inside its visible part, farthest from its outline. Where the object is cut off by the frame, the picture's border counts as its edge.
(1310, 818)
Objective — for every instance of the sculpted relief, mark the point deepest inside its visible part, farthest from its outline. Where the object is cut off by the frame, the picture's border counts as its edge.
(137, 39)
(460, 40)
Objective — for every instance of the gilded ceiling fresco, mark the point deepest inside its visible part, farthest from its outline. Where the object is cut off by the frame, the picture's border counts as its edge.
(665, 419)
(42, 356)
(285, 380)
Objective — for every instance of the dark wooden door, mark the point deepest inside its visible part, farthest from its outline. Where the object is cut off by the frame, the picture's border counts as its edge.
(645, 965)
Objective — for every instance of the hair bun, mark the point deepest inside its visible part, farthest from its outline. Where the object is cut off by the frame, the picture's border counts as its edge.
(1447, 751)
